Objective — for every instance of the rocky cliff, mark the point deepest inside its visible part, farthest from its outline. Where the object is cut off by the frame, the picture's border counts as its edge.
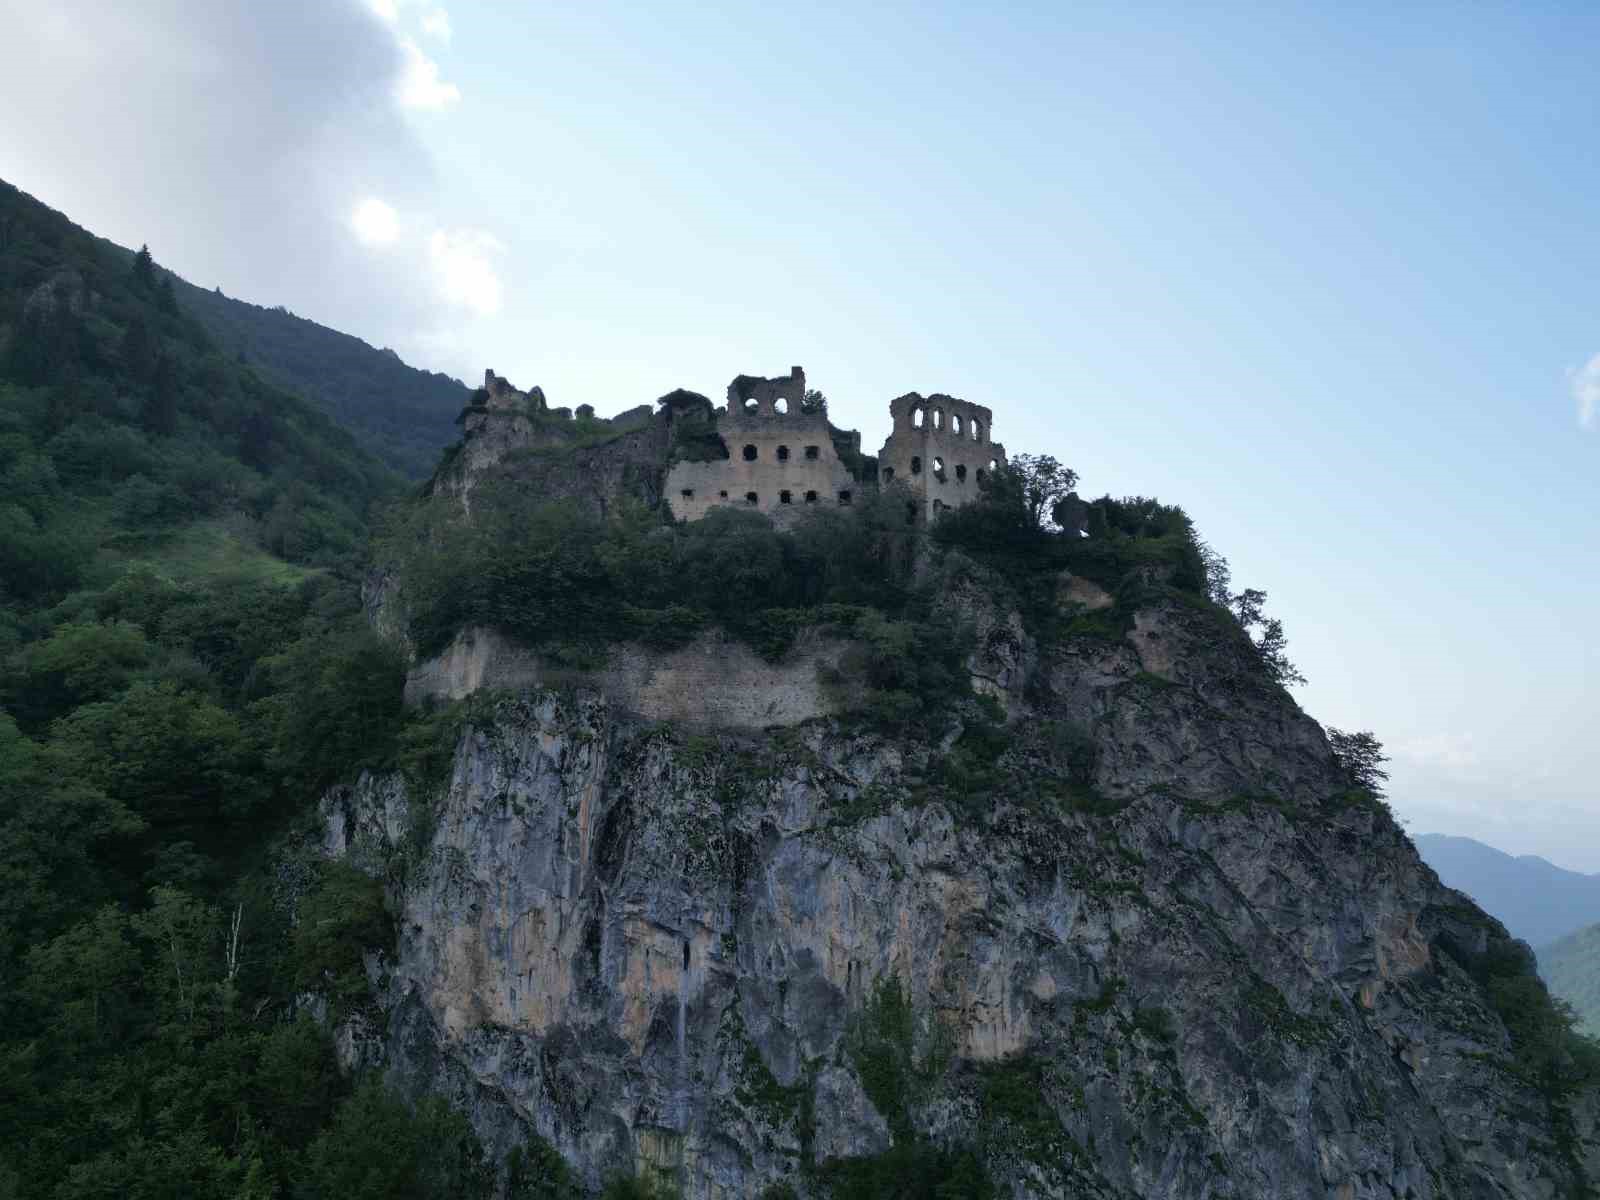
(1137, 940)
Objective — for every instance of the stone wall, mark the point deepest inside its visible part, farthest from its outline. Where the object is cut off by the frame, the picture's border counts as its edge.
(941, 448)
(780, 461)
(714, 681)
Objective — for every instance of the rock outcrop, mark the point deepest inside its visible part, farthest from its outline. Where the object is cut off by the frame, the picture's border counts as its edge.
(1154, 949)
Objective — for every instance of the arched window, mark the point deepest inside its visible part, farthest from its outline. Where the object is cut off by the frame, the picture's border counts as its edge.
(749, 454)
(722, 495)
(783, 454)
(812, 453)
(785, 497)
(994, 464)
(844, 497)
(811, 497)
(955, 424)
(982, 475)
(780, 406)
(977, 431)
(916, 464)
(938, 469)
(961, 472)
(938, 418)
(752, 405)
(917, 416)
(688, 493)
(888, 474)
(911, 512)
(751, 498)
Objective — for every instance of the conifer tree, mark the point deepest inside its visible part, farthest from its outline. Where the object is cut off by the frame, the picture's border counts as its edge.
(144, 268)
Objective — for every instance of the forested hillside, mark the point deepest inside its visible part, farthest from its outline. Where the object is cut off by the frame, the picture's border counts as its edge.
(183, 663)
(1571, 967)
(403, 415)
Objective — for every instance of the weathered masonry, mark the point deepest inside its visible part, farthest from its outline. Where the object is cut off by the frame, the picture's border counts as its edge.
(941, 449)
(781, 460)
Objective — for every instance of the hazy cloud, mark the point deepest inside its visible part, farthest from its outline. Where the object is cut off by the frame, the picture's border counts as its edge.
(260, 147)
(1585, 384)
(375, 223)
(462, 268)
(419, 85)
(436, 24)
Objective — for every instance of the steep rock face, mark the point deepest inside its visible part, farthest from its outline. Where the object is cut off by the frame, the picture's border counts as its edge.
(1156, 956)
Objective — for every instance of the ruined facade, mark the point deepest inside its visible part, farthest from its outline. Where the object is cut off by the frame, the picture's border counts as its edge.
(941, 448)
(781, 461)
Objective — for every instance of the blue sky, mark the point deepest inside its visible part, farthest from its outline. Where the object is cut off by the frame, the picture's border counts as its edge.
(1324, 276)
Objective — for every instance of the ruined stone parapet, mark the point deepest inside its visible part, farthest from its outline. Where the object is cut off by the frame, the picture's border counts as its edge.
(942, 448)
(781, 461)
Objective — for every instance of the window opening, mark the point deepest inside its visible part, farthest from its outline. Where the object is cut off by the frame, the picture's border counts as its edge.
(749, 454)
(938, 469)
(811, 497)
(722, 495)
(780, 406)
(982, 475)
(688, 493)
(955, 424)
(961, 472)
(783, 454)
(785, 497)
(844, 497)
(750, 498)
(812, 452)
(977, 431)
(888, 474)
(916, 464)
(751, 405)
(916, 418)
(938, 418)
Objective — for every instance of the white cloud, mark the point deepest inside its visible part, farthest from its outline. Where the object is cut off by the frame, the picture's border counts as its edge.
(375, 223)
(1585, 384)
(1449, 753)
(462, 269)
(419, 85)
(387, 10)
(436, 23)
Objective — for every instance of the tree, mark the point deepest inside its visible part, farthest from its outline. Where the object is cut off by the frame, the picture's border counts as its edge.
(144, 268)
(1361, 758)
(166, 298)
(1043, 482)
(1271, 644)
(814, 402)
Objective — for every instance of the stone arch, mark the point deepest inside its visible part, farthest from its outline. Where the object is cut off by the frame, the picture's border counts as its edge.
(750, 452)
(955, 424)
(938, 419)
(919, 416)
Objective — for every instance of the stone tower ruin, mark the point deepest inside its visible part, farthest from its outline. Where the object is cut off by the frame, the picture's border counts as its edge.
(941, 449)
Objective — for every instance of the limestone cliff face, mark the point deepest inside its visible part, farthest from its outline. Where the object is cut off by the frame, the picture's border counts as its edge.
(1153, 954)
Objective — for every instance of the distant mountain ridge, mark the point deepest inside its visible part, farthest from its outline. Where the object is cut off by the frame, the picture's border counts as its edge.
(403, 415)
(1535, 899)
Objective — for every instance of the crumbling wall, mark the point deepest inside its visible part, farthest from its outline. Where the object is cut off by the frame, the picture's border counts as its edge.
(942, 448)
(781, 461)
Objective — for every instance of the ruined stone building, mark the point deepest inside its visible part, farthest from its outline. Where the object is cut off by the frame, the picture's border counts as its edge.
(784, 460)
(941, 449)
